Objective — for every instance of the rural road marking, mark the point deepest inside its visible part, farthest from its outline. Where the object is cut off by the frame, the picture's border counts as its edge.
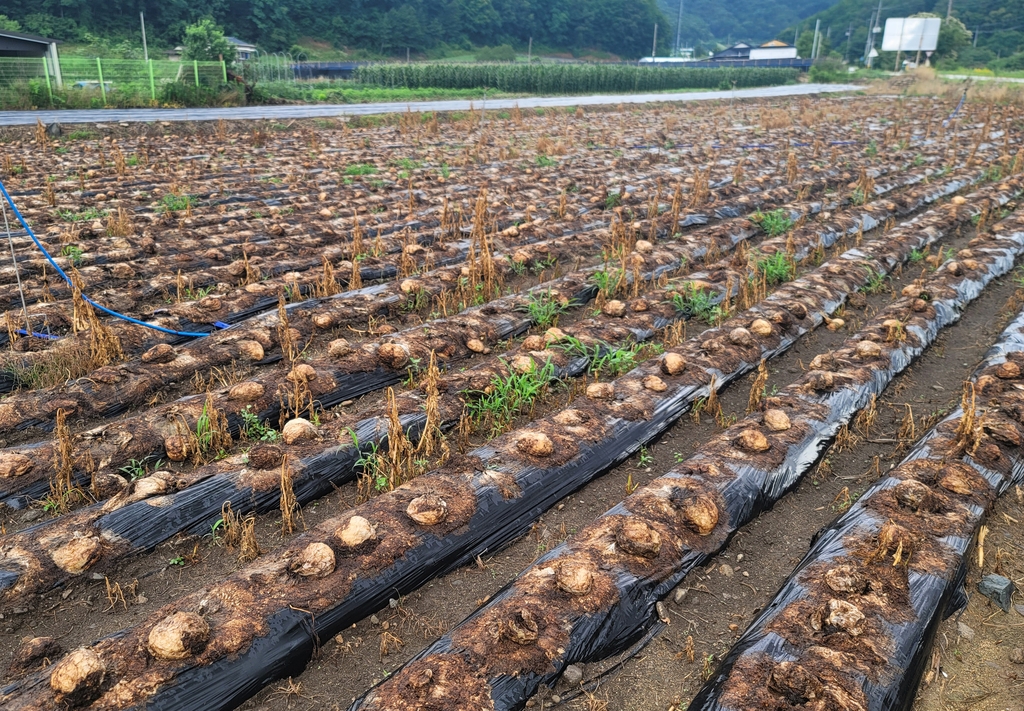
(18, 118)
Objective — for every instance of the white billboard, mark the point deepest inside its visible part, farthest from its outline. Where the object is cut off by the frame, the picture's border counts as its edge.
(910, 34)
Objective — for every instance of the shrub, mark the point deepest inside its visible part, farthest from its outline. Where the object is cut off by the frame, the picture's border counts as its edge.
(828, 70)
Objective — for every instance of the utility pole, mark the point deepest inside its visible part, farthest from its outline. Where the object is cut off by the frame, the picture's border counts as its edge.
(679, 27)
(145, 49)
(977, 31)
(529, 52)
(949, 9)
(814, 44)
(849, 41)
(654, 45)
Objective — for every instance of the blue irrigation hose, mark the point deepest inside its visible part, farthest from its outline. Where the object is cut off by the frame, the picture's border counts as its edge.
(47, 336)
(53, 263)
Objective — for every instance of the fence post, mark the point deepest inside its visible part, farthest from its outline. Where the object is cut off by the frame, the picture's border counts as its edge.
(195, 70)
(46, 73)
(152, 82)
(103, 87)
(224, 70)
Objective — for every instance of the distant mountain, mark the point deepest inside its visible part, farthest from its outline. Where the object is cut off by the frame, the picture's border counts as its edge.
(728, 21)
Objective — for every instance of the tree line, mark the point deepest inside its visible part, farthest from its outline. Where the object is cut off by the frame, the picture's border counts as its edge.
(622, 27)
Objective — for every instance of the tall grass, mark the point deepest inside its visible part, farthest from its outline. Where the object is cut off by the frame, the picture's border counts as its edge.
(568, 78)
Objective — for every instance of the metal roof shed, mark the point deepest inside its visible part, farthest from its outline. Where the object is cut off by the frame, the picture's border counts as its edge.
(19, 44)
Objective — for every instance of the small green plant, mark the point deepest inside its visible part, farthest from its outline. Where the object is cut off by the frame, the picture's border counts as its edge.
(858, 197)
(545, 162)
(776, 269)
(544, 309)
(697, 303)
(508, 396)
(407, 164)
(606, 281)
(90, 213)
(371, 462)
(875, 283)
(173, 202)
(137, 468)
(918, 159)
(916, 255)
(204, 429)
(255, 430)
(774, 223)
(132, 160)
(993, 173)
(177, 560)
(194, 294)
(644, 459)
(444, 171)
(73, 252)
(518, 268)
(872, 149)
(360, 169)
(612, 201)
(378, 184)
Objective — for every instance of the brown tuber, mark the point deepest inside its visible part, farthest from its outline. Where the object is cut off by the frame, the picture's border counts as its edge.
(178, 636)
(839, 614)
(534, 343)
(845, 579)
(77, 678)
(914, 495)
(301, 373)
(1007, 371)
(600, 391)
(700, 514)
(298, 430)
(246, 391)
(777, 420)
(339, 348)
(355, 533)
(761, 327)
(427, 510)
(655, 384)
(78, 554)
(868, 349)
(637, 538)
(476, 345)
(672, 364)
(160, 353)
(522, 364)
(250, 350)
(315, 561)
(176, 448)
(956, 482)
(521, 628)
(752, 440)
(574, 577)
(741, 337)
(614, 308)
(393, 355)
(535, 444)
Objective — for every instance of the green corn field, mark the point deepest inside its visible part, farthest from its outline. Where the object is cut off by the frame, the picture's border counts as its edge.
(568, 78)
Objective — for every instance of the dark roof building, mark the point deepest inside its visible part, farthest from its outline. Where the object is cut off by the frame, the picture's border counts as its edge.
(19, 44)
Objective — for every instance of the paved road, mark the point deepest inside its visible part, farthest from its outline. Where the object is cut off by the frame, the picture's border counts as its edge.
(981, 78)
(16, 118)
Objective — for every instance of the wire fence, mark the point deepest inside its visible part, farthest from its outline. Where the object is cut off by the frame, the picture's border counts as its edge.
(78, 82)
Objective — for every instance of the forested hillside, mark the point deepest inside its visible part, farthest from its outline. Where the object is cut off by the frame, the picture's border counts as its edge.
(728, 21)
(623, 27)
